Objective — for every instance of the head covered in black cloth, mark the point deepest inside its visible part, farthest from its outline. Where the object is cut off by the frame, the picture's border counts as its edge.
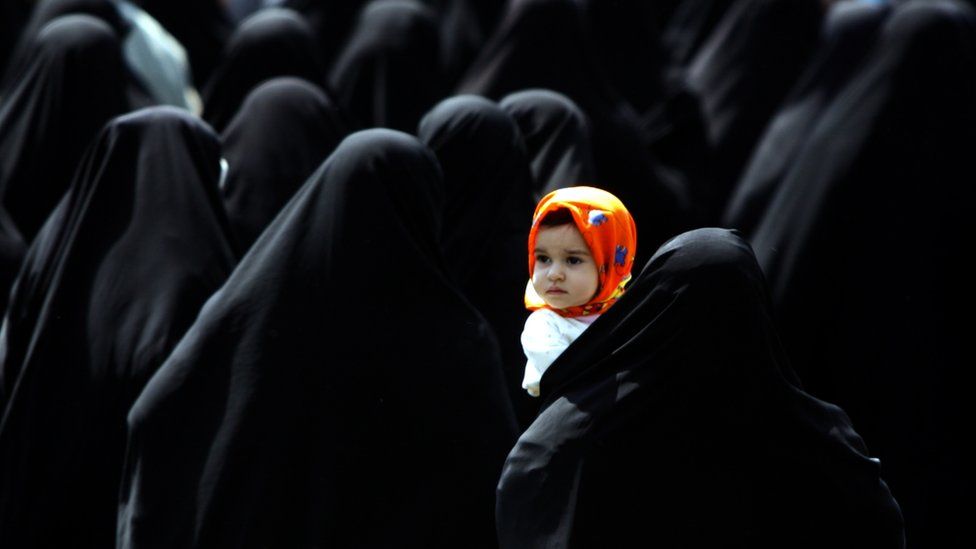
(864, 247)
(272, 42)
(331, 21)
(675, 420)
(388, 75)
(74, 83)
(281, 134)
(46, 11)
(486, 218)
(849, 31)
(557, 139)
(111, 283)
(546, 44)
(338, 391)
(742, 74)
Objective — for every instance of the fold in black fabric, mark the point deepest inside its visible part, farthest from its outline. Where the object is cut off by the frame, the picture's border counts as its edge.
(742, 74)
(272, 42)
(849, 32)
(465, 26)
(676, 421)
(338, 391)
(862, 246)
(201, 26)
(12, 249)
(557, 139)
(111, 283)
(388, 75)
(545, 44)
(46, 11)
(688, 27)
(486, 221)
(14, 15)
(73, 84)
(284, 130)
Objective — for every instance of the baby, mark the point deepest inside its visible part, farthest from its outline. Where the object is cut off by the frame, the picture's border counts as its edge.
(581, 251)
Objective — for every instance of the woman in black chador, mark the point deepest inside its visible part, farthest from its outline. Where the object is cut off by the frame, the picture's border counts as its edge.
(110, 284)
(338, 391)
(281, 134)
(676, 421)
(272, 42)
(73, 83)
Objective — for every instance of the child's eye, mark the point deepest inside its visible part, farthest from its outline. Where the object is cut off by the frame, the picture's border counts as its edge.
(542, 258)
(572, 260)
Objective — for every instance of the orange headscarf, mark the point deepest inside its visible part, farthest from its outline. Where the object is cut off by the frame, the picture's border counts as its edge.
(609, 232)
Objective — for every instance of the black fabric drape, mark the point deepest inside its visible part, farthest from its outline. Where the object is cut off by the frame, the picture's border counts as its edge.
(388, 75)
(12, 249)
(44, 12)
(863, 246)
(849, 32)
(465, 26)
(676, 421)
(74, 83)
(545, 44)
(111, 283)
(338, 391)
(201, 26)
(557, 138)
(487, 215)
(282, 133)
(14, 15)
(688, 27)
(742, 74)
(272, 42)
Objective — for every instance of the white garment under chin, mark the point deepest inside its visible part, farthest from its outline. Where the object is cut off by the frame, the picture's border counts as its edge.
(545, 337)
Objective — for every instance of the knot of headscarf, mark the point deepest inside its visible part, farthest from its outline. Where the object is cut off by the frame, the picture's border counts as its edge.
(608, 230)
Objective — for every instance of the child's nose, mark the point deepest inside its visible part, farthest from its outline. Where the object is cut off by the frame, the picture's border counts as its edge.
(555, 273)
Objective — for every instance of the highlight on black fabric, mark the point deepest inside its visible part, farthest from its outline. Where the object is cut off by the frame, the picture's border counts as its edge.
(338, 391)
(115, 277)
(675, 420)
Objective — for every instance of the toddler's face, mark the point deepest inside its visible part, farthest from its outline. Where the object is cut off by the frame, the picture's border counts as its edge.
(565, 274)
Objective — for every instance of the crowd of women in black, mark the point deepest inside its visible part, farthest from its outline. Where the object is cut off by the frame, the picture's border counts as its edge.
(292, 320)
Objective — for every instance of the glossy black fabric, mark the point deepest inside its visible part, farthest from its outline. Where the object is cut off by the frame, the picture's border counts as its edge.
(201, 26)
(338, 391)
(331, 21)
(487, 215)
(862, 244)
(272, 42)
(388, 74)
(545, 44)
(557, 138)
(74, 83)
(12, 249)
(676, 421)
(849, 32)
(283, 131)
(689, 26)
(742, 74)
(46, 11)
(116, 276)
